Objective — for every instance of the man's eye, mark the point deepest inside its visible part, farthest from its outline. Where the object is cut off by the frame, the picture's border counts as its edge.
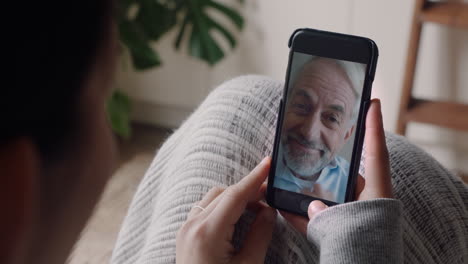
(331, 120)
(301, 108)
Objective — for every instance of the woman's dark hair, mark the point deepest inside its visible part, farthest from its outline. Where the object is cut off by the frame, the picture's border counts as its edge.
(56, 46)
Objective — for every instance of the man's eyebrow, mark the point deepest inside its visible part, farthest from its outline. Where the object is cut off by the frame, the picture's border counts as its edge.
(303, 93)
(337, 108)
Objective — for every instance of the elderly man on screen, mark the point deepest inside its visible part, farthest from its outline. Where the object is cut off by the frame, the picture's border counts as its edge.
(320, 118)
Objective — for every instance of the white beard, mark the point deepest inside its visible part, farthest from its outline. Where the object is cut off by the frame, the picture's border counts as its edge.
(301, 163)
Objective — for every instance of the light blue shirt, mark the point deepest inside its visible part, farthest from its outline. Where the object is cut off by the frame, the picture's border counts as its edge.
(333, 178)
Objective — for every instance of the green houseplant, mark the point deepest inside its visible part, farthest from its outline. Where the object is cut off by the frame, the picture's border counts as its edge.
(143, 22)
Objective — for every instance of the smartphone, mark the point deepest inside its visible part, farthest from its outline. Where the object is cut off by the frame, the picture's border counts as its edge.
(321, 120)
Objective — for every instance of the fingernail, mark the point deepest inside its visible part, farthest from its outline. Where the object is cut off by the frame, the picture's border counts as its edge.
(378, 103)
(265, 160)
(317, 206)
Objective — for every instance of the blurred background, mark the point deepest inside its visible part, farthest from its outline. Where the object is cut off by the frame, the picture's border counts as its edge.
(164, 96)
(163, 92)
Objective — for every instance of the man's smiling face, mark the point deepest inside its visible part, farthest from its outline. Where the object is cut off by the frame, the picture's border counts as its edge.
(318, 117)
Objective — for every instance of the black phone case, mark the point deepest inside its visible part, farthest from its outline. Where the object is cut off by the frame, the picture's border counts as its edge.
(297, 44)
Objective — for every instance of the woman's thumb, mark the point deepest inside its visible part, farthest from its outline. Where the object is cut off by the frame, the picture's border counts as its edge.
(316, 207)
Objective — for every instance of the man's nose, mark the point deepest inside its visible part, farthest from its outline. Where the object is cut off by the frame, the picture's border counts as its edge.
(311, 127)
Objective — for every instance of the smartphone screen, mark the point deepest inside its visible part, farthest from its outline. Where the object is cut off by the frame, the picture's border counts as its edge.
(321, 119)
(319, 124)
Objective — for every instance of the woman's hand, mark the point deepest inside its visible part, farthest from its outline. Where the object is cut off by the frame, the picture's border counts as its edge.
(378, 181)
(206, 235)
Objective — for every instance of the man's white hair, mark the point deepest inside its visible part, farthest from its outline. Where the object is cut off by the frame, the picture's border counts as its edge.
(355, 72)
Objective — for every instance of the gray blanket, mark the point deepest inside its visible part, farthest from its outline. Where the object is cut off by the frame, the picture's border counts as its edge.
(231, 131)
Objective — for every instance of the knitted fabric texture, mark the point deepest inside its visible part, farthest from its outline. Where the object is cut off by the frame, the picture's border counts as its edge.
(230, 133)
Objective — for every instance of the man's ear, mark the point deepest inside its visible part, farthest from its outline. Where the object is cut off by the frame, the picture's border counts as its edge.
(349, 133)
(19, 189)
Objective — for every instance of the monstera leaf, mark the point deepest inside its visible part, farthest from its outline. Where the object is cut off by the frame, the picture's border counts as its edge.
(118, 110)
(201, 43)
(142, 23)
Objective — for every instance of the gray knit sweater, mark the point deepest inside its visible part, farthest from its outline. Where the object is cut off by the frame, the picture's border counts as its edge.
(231, 132)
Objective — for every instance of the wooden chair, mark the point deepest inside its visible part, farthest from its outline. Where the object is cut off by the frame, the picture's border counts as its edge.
(441, 113)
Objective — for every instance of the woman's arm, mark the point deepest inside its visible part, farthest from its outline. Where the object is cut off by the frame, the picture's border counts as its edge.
(359, 232)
